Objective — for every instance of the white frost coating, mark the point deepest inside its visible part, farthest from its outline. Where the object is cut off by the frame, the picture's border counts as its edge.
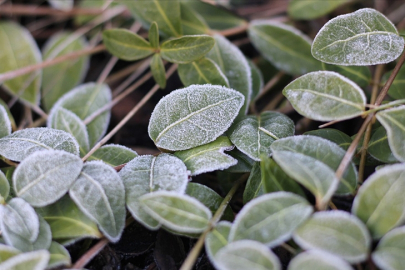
(100, 194)
(388, 253)
(4, 186)
(217, 239)
(36, 260)
(21, 144)
(178, 212)
(344, 235)
(326, 96)
(62, 5)
(193, 116)
(317, 259)
(362, 38)
(5, 124)
(247, 254)
(19, 217)
(114, 154)
(271, 218)
(45, 176)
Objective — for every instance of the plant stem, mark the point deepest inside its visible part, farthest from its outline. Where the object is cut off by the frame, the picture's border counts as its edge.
(33, 10)
(385, 106)
(90, 254)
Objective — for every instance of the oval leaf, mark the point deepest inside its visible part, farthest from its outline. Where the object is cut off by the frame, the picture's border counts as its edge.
(333, 135)
(4, 188)
(45, 176)
(379, 148)
(100, 194)
(390, 250)
(114, 154)
(153, 35)
(217, 239)
(254, 185)
(193, 116)
(360, 75)
(257, 80)
(317, 259)
(36, 260)
(261, 218)
(6, 252)
(325, 96)
(157, 68)
(312, 9)
(362, 38)
(397, 86)
(5, 124)
(59, 256)
(192, 22)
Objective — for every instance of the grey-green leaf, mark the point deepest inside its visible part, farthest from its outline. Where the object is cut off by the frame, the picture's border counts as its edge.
(178, 212)
(325, 96)
(284, 46)
(393, 121)
(153, 35)
(379, 148)
(202, 71)
(36, 260)
(191, 21)
(336, 232)
(45, 176)
(20, 50)
(253, 135)
(254, 186)
(271, 218)
(6, 252)
(333, 135)
(389, 251)
(360, 75)
(193, 116)
(100, 194)
(312, 9)
(362, 38)
(244, 164)
(217, 239)
(4, 187)
(257, 80)
(5, 124)
(158, 70)
(10, 116)
(317, 259)
(396, 89)
(114, 154)
(59, 256)
(209, 157)
(380, 203)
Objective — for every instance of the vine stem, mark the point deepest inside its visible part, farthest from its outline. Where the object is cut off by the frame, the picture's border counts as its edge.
(195, 251)
(90, 254)
(32, 10)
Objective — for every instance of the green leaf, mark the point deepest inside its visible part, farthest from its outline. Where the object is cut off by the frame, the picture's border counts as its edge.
(333, 135)
(217, 239)
(114, 154)
(67, 221)
(336, 232)
(45, 176)
(203, 71)
(20, 50)
(235, 67)
(126, 45)
(284, 46)
(261, 218)
(247, 254)
(4, 187)
(193, 116)
(59, 256)
(380, 203)
(62, 5)
(362, 38)
(397, 86)
(146, 174)
(312, 9)
(257, 80)
(394, 122)
(254, 186)
(157, 68)
(209, 157)
(360, 75)
(244, 164)
(6, 252)
(325, 96)
(8, 173)
(253, 135)
(84, 100)
(317, 259)
(36, 260)
(10, 116)
(69, 122)
(154, 35)
(389, 251)
(60, 78)
(178, 212)
(5, 124)
(166, 13)
(186, 49)
(100, 194)
(379, 148)
(192, 22)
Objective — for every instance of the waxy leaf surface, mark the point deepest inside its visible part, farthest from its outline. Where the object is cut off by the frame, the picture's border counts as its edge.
(333, 135)
(389, 251)
(114, 154)
(317, 259)
(191, 21)
(396, 89)
(257, 80)
(217, 239)
(202, 71)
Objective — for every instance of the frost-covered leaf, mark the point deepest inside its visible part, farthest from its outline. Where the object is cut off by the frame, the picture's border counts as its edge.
(325, 96)
(397, 87)
(60, 78)
(254, 186)
(146, 174)
(45, 176)
(284, 46)
(59, 256)
(217, 239)
(8, 173)
(360, 75)
(178, 212)
(62, 4)
(244, 164)
(209, 198)
(209, 157)
(312, 9)
(36, 260)
(114, 154)
(20, 144)
(69, 122)
(202, 71)
(4, 187)
(18, 217)
(379, 148)
(5, 124)
(235, 67)
(362, 38)
(253, 135)
(389, 251)
(153, 35)
(100, 194)
(380, 203)
(10, 116)
(158, 70)
(336, 232)
(84, 100)
(317, 259)
(333, 135)
(166, 13)
(257, 80)
(18, 50)
(270, 219)
(321, 150)
(7, 252)
(186, 49)
(393, 121)
(193, 116)
(67, 221)
(192, 22)
(247, 254)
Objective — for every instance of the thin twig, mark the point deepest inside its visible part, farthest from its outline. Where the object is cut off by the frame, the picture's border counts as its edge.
(141, 69)
(90, 254)
(33, 10)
